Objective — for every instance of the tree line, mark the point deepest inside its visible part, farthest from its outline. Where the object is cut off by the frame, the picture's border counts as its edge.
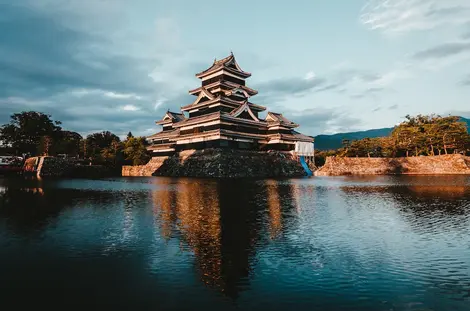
(32, 133)
(421, 135)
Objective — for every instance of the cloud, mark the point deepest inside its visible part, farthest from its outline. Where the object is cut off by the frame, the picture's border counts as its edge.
(399, 16)
(310, 75)
(393, 107)
(51, 60)
(466, 33)
(122, 95)
(372, 91)
(168, 32)
(37, 53)
(130, 108)
(442, 51)
(103, 93)
(342, 79)
(96, 113)
(18, 101)
(159, 103)
(465, 81)
(291, 86)
(323, 120)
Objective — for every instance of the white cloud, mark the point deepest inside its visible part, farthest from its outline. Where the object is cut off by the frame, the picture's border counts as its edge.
(168, 32)
(122, 95)
(435, 58)
(310, 75)
(12, 101)
(398, 16)
(360, 80)
(342, 66)
(103, 93)
(158, 103)
(391, 77)
(130, 108)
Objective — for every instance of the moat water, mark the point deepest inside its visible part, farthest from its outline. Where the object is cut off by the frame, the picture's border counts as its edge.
(332, 243)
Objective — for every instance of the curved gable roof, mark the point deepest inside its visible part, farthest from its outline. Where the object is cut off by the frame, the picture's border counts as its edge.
(279, 118)
(171, 117)
(245, 107)
(229, 63)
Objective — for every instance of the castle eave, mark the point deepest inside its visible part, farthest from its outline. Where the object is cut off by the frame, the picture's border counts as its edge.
(223, 64)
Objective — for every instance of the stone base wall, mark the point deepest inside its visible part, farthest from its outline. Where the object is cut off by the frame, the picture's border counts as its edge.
(220, 163)
(444, 164)
(144, 170)
(47, 166)
(57, 167)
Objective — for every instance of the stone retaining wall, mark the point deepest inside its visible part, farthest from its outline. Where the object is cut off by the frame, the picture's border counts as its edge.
(220, 163)
(47, 166)
(144, 170)
(56, 167)
(444, 164)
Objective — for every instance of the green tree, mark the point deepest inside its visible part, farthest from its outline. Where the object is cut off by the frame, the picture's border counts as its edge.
(44, 146)
(95, 144)
(25, 130)
(418, 135)
(431, 135)
(135, 150)
(112, 155)
(68, 143)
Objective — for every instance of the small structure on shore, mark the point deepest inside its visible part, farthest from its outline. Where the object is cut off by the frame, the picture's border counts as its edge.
(222, 116)
(10, 164)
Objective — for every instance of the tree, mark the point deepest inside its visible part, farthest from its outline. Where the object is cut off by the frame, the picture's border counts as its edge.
(44, 146)
(129, 135)
(25, 130)
(69, 143)
(112, 155)
(135, 150)
(419, 135)
(96, 142)
(431, 135)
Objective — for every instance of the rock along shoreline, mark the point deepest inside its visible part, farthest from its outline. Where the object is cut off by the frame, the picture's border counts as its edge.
(452, 164)
(220, 163)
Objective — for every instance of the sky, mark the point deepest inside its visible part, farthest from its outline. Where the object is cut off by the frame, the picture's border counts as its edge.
(329, 65)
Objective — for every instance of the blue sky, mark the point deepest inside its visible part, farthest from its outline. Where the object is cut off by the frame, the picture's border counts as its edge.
(330, 65)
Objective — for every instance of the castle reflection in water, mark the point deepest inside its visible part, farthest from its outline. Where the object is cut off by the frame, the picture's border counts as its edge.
(223, 227)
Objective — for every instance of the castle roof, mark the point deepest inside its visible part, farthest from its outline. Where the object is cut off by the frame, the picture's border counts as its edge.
(227, 84)
(171, 117)
(278, 118)
(245, 107)
(227, 63)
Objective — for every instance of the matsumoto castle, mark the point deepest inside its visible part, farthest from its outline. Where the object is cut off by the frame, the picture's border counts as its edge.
(223, 116)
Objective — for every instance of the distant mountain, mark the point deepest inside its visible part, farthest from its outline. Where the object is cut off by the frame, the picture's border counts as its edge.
(466, 121)
(328, 142)
(335, 141)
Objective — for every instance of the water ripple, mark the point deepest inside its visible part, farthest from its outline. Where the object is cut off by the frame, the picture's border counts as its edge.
(345, 243)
